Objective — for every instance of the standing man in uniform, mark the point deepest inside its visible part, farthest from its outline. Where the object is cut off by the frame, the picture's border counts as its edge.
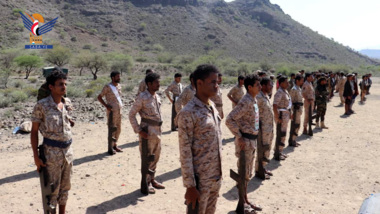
(309, 96)
(187, 94)
(51, 116)
(265, 138)
(217, 98)
(200, 143)
(342, 82)
(175, 88)
(296, 97)
(237, 92)
(282, 104)
(321, 97)
(142, 84)
(291, 81)
(148, 105)
(112, 92)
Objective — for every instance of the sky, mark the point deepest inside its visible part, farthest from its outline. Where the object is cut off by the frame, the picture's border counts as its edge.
(352, 23)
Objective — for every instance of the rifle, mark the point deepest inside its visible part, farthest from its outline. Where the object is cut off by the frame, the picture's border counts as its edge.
(46, 188)
(190, 209)
(278, 139)
(293, 125)
(111, 130)
(310, 133)
(241, 182)
(146, 159)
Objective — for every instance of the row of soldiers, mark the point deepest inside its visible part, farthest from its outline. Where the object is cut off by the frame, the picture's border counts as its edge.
(197, 112)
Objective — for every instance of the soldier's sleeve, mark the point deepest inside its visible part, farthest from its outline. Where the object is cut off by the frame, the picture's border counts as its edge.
(136, 107)
(185, 137)
(230, 92)
(69, 106)
(178, 103)
(104, 91)
(37, 114)
(292, 94)
(141, 88)
(168, 89)
(260, 104)
(233, 117)
(277, 99)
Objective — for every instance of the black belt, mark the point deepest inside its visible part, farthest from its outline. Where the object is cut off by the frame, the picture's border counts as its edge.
(218, 105)
(298, 104)
(248, 136)
(151, 122)
(56, 143)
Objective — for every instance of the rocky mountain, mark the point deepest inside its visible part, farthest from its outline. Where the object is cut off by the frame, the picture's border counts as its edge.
(248, 30)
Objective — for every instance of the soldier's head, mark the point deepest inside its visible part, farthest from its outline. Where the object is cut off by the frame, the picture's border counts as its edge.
(152, 81)
(299, 80)
(241, 80)
(220, 78)
(322, 81)
(57, 83)
(177, 77)
(266, 85)
(252, 84)
(309, 77)
(292, 76)
(115, 76)
(206, 80)
(350, 77)
(283, 81)
(148, 71)
(191, 78)
(262, 74)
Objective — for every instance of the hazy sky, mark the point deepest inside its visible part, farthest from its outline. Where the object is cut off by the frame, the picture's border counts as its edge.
(352, 23)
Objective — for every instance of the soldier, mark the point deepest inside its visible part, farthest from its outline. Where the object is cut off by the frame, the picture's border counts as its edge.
(342, 82)
(52, 117)
(186, 95)
(265, 138)
(237, 92)
(332, 83)
(217, 99)
(363, 88)
(44, 91)
(291, 81)
(112, 93)
(356, 90)
(142, 84)
(200, 143)
(369, 82)
(175, 88)
(282, 104)
(297, 103)
(309, 98)
(321, 97)
(148, 105)
(348, 93)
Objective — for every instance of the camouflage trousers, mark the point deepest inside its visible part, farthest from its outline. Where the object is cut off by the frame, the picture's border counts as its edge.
(249, 150)
(297, 119)
(59, 164)
(154, 148)
(263, 148)
(306, 107)
(284, 126)
(209, 193)
(321, 111)
(116, 122)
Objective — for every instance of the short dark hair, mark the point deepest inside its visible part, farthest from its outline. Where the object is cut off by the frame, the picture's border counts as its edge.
(261, 73)
(202, 72)
(292, 74)
(114, 73)
(220, 74)
(265, 81)
(282, 79)
(54, 76)
(298, 77)
(151, 77)
(250, 80)
(240, 77)
(177, 75)
(307, 75)
(148, 71)
(191, 76)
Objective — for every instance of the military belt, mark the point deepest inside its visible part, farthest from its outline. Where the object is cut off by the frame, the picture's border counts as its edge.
(298, 104)
(248, 136)
(151, 122)
(218, 105)
(56, 143)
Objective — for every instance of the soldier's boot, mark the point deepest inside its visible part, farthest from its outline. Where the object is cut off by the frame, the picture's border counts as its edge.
(317, 125)
(323, 125)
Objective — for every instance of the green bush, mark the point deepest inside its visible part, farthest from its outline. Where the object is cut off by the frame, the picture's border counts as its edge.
(33, 80)
(16, 11)
(18, 107)
(30, 91)
(87, 47)
(80, 24)
(75, 92)
(142, 26)
(128, 88)
(165, 58)
(89, 92)
(141, 59)
(18, 96)
(5, 101)
(158, 47)
(19, 84)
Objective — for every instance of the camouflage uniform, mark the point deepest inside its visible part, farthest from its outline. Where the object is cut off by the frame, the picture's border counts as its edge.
(142, 87)
(342, 82)
(307, 93)
(296, 96)
(148, 107)
(200, 146)
(55, 125)
(244, 119)
(217, 99)
(185, 97)
(291, 84)
(112, 100)
(176, 90)
(266, 129)
(283, 101)
(321, 95)
(237, 92)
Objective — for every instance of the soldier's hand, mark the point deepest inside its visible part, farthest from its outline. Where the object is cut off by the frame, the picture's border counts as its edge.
(143, 134)
(39, 163)
(192, 196)
(72, 123)
(241, 143)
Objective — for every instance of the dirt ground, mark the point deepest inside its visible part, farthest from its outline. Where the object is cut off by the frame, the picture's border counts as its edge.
(332, 172)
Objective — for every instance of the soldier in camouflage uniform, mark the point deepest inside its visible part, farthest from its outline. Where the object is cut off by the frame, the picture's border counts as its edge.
(175, 88)
(52, 117)
(342, 82)
(265, 138)
(291, 82)
(237, 92)
(309, 98)
(217, 99)
(148, 106)
(243, 122)
(200, 143)
(282, 104)
(321, 97)
(297, 103)
(142, 84)
(187, 94)
(112, 93)
(44, 91)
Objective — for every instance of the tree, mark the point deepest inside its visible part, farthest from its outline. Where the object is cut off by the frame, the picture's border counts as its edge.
(58, 56)
(96, 64)
(122, 63)
(82, 61)
(4, 77)
(29, 63)
(7, 57)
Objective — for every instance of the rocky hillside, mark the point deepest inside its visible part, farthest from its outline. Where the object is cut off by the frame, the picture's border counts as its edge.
(249, 30)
